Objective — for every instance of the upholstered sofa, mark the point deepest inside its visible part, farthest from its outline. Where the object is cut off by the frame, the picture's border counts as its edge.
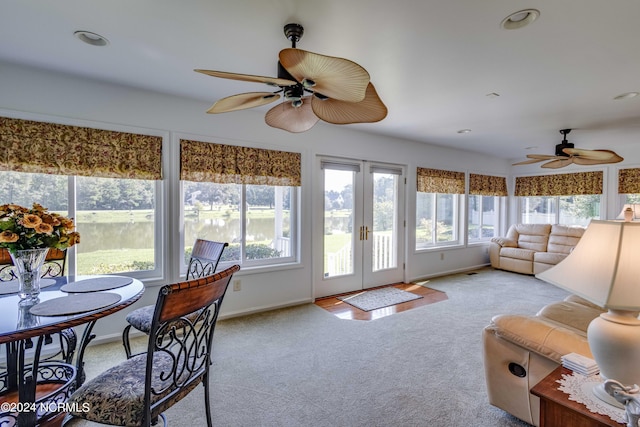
(533, 248)
(519, 351)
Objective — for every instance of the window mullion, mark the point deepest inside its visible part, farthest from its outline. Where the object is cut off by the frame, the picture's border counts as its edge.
(72, 209)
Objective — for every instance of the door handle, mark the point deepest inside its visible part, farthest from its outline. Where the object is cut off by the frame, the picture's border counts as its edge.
(361, 232)
(366, 233)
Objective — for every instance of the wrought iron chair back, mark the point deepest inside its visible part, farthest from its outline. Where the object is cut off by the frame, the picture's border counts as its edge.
(204, 260)
(205, 257)
(54, 264)
(178, 357)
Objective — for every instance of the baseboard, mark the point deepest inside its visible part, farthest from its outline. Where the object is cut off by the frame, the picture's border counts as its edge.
(449, 272)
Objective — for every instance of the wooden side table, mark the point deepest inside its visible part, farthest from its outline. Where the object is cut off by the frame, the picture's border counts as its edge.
(556, 410)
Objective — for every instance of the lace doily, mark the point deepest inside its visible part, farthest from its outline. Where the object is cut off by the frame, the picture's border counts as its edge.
(580, 389)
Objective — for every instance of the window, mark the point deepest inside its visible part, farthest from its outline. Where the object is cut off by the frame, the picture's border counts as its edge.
(436, 219)
(437, 207)
(255, 220)
(485, 193)
(241, 195)
(483, 217)
(108, 181)
(566, 210)
(116, 218)
(568, 199)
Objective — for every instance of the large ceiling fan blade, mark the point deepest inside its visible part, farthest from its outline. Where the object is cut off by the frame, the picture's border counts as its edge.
(248, 78)
(336, 78)
(292, 119)
(534, 158)
(369, 110)
(598, 156)
(558, 163)
(242, 101)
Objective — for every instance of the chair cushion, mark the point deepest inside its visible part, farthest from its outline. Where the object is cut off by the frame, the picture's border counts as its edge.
(116, 396)
(141, 318)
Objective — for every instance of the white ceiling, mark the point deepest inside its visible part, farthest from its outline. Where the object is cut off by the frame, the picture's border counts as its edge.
(433, 62)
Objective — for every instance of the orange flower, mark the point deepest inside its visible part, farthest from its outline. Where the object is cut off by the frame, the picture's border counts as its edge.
(44, 228)
(31, 221)
(8, 237)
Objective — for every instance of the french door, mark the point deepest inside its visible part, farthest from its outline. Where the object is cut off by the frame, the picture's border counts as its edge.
(362, 211)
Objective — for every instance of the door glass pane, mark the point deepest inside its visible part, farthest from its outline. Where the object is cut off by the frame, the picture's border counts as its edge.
(338, 222)
(385, 227)
(116, 220)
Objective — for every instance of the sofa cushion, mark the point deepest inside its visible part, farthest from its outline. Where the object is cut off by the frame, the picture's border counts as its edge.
(517, 253)
(548, 339)
(533, 236)
(549, 257)
(564, 238)
(570, 314)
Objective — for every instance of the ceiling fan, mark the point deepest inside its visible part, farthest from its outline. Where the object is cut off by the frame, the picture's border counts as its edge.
(314, 87)
(566, 154)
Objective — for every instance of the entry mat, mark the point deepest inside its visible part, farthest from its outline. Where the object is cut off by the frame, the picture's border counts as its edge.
(379, 298)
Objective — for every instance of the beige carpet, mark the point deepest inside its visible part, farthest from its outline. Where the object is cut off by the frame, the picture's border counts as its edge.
(302, 366)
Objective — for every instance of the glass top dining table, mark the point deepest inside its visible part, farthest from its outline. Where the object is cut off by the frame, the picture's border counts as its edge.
(64, 302)
(18, 322)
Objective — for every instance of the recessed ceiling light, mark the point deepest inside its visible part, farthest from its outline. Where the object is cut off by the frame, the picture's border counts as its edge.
(520, 19)
(626, 95)
(91, 38)
(464, 131)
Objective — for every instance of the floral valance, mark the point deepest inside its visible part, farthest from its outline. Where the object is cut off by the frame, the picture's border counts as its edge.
(38, 147)
(440, 181)
(629, 181)
(226, 164)
(487, 185)
(567, 184)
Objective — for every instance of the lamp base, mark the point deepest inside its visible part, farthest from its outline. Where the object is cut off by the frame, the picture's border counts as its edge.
(600, 392)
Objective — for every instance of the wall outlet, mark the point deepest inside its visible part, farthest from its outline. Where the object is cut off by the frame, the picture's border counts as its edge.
(237, 285)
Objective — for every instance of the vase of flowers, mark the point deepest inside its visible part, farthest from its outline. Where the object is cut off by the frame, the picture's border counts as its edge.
(28, 234)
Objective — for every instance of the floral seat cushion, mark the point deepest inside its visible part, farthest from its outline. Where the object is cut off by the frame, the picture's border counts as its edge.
(141, 318)
(116, 397)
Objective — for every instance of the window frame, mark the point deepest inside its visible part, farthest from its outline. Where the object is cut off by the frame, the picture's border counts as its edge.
(457, 228)
(246, 264)
(556, 206)
(498, 202)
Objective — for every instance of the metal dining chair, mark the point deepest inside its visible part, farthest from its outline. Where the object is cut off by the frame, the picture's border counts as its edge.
(137, 391)
(204, 260)
(53, 266)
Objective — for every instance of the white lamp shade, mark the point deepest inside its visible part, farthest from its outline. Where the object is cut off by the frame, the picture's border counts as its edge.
(604, 267)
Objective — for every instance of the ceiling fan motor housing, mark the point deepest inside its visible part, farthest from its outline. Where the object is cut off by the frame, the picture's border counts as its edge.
(561, 147)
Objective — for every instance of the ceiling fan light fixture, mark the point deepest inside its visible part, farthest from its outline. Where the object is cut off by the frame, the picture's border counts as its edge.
(520, 19)
(90, 38)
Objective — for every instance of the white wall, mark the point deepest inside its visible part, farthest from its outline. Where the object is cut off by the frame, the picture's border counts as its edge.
(43, 95)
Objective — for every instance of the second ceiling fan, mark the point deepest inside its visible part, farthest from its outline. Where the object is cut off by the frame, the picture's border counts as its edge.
(314, 87)
(566, 154)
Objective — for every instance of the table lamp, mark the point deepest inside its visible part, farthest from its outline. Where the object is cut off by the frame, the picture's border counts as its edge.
(604, 268)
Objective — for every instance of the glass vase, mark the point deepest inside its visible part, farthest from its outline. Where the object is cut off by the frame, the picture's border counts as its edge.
(28, 264)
